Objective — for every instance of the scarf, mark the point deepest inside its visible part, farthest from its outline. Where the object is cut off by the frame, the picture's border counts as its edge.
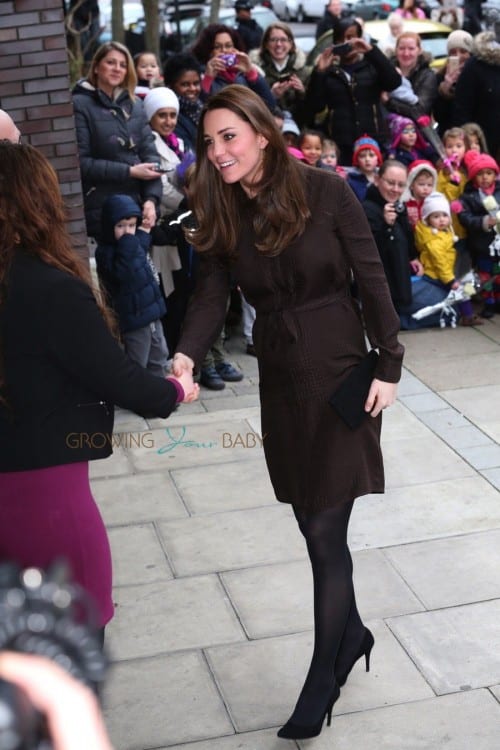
(173, 142)
(191, 109)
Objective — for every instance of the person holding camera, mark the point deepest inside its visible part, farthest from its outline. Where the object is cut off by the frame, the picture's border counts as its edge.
(284, 66)
(61, 372)
(221, 49)
(348, 80)
(393, 235)
(115, 143)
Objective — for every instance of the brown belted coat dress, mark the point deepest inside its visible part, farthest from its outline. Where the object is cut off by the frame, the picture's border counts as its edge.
(308, 333)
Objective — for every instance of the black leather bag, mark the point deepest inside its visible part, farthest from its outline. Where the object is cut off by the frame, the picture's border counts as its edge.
(350, 397)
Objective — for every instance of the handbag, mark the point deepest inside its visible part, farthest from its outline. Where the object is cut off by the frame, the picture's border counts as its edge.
(349, 399)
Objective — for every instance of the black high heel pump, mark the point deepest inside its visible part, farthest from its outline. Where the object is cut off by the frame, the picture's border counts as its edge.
(291, 731)
(364, 650)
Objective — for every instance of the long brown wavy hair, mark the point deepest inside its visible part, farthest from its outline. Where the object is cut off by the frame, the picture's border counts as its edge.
(32, 219)
(281, 207)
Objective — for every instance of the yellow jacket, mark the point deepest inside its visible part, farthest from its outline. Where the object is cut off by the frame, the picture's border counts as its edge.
(437, 252)
(453, 192)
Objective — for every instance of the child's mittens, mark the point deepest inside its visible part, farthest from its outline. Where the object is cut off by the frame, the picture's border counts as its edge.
(456, 207)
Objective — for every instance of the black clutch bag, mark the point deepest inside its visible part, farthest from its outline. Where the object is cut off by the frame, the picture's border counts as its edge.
(350, 397)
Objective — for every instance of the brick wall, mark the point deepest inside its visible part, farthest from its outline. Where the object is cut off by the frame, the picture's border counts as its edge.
(34, 90)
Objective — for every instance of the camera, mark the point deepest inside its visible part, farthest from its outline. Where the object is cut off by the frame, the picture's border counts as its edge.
(229, 59)
(341, 49)
(42, 614)
(399, 207)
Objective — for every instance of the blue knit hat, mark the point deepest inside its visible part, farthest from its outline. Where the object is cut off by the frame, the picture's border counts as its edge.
(363, 143)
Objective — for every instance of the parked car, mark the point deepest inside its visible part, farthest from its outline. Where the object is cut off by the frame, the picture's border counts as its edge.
(264, 17)
(301, 10)
(433, 35)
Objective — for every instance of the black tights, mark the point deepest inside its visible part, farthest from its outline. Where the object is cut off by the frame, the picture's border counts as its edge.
(338, 630)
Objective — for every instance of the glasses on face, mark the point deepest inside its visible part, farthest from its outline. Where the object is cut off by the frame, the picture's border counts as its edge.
(393, 183)
(278, 40)
(409, 129)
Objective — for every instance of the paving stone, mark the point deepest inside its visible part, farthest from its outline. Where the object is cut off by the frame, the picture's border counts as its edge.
(277, 599)
(459, 722)
(233, 402)
(265, 740)
(230, 486)
(260, 680)
(464, 437)
(433, 344)
(462, 372)
(114, 465)
(422, 402)
(224, 541)
(400, 423)
(137, 556)
(192, 445)
(426, 511)
(475, 403)
(170, 616)
(162, 701)
(126, 421)
(456, 648)
(492, 429)
(140, 497)
(495, 689)
(208, 418)
(409, 385)
(447, 572)
(420, 460)
(444, 419)
(482, 456)
(493, 476)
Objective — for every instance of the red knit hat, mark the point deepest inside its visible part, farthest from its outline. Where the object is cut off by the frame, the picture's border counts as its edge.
(362, 144)
(475, 162)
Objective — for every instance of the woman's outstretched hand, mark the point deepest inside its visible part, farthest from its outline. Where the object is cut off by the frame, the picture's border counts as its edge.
(380, 395)
(182, 363)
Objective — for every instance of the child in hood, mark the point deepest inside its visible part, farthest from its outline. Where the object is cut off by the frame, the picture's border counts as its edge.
(130, 282)
(422, 179)
(407, 143)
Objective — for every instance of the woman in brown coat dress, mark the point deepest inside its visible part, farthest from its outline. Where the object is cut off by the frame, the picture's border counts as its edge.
(290, 236)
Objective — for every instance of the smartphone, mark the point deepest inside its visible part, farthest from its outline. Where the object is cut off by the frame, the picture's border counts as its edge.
(453, 63)
(161, 170)
(341, 49)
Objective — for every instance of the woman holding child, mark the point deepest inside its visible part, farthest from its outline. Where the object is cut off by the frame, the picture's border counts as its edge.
(413, 63)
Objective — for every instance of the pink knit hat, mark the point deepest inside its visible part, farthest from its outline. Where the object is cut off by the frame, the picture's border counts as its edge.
(475, 162)
(397, 123)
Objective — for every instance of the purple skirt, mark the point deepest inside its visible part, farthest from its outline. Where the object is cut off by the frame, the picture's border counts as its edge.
(46, 514)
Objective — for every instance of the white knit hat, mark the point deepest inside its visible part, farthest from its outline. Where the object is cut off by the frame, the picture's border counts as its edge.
(417, 167)
(459, 39)
(160, 98)
(433, 203)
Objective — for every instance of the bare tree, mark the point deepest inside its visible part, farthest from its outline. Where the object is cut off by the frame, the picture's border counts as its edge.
(117, 30)
(152, 35)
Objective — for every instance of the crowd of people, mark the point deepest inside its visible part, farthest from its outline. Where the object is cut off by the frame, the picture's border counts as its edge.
(197, 183)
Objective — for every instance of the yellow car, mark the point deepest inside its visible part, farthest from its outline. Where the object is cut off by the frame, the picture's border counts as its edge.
(433, 35)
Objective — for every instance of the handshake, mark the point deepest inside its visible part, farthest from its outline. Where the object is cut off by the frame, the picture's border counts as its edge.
(182, 372)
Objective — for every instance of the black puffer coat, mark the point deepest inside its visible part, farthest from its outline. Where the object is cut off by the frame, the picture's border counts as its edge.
(424, 83)
(353, 100)
(395, 245)
(112, 136)
(477, 92)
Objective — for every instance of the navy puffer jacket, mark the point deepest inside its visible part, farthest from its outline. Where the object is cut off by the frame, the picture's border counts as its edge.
(125, 270)
(112, 136)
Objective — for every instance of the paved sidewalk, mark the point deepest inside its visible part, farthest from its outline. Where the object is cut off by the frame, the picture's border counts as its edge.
(213, 628)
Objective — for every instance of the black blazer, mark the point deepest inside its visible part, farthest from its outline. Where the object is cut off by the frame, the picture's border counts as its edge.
(63, 371)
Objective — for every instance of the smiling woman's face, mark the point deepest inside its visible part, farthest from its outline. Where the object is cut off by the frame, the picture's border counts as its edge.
(110, 71)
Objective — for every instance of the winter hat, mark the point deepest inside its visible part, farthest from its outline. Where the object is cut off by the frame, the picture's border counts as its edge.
(397, 123)
(459, 39)
(290, 126)
(417, 167)
(475, 162)
(362, 144)
(160, 98)
(433, 203)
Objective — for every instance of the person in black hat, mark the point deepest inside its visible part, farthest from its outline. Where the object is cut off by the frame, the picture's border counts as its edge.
(247, 28)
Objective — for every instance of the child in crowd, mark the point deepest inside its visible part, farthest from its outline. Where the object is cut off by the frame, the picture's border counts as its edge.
(148, 73)
(480, 206)
(291, 132)
(311, 145)
(435, 242)
(475, 139)
(422, 179)
(330, 158)
(452, 178)
(407, 144)
(127, 276)
(366, 159)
